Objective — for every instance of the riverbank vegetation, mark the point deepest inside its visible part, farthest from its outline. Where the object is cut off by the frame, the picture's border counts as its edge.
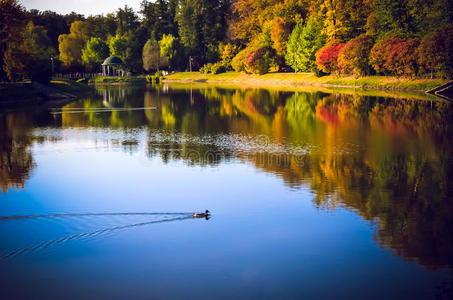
(406, 38)
(291, 79)
(116, 79)
(28, 93)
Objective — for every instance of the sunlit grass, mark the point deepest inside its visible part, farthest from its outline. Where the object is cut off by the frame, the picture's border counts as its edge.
(114, 79)
(287, 79)
(68, 86)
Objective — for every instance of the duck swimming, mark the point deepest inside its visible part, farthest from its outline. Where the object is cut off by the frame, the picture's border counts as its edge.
(202, 215)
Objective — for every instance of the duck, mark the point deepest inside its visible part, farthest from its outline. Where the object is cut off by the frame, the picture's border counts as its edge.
(206, 214)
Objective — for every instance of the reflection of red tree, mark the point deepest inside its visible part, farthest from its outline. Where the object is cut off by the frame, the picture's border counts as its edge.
(328, 114)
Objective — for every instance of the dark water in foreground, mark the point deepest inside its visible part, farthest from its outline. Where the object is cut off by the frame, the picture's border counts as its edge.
(314, 196)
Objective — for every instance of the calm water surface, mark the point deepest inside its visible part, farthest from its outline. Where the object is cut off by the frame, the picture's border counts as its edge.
(314, 195)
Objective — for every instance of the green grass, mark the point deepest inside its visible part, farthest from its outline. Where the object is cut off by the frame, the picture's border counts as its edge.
(291, 79)
(112, 79)
(69, 86)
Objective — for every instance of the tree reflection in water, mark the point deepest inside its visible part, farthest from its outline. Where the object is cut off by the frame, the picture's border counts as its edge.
(16, 160)
(389, 160)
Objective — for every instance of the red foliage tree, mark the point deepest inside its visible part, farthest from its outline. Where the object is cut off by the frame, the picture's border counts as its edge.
(257, 61)
(395, 56)
(327, 56)
(354, 56)
(435, 53)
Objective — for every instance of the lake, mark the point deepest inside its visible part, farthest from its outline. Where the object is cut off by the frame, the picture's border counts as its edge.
(314, 194)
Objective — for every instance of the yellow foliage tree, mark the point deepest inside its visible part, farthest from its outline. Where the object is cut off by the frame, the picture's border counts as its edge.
(71, 45)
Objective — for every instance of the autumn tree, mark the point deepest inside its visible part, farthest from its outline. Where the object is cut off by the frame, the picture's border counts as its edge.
(327, 56)
(238, 62)
(395, 55)
(435, 53)
(71, 45)
(279, 34)
(250, 16)
(259, 60)
(227, 53)
(345, 19)
(354, 56)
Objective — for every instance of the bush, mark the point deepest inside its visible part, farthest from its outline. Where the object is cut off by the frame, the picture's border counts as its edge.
(354, 56)
(218, 68)
(206, 69)
(227, 53)
(327, 56)
(156, 78)
(435, 53)
(395, 56)
(238, 62)
(258, 61)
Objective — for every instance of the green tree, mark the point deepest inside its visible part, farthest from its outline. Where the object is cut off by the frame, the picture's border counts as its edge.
(55, 24)
(169, 48)
(119, 46)
(12, 22)
(40, 51)
(202, 26)
(127, 20)
(94, 53)
(102, 27)
(152, 58)
(187, 16)
(303, 44)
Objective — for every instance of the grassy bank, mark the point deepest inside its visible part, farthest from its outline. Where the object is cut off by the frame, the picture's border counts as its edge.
(27, 93)
(119, 80)
(291, 79)
(69, 86)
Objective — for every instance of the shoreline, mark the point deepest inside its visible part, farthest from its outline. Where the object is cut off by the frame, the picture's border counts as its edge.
(30, 94)
(286, 80)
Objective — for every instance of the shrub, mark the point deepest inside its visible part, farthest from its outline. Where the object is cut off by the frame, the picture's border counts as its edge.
(156, 78)
(395, 56)
(435, 53)
(218, 68)
(238, 62)
(259, 60)
(326, 57)
(227, 53)
(354, 56)
(206, 69)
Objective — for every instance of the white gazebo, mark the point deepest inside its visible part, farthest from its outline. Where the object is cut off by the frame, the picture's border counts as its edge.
(113, 66)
